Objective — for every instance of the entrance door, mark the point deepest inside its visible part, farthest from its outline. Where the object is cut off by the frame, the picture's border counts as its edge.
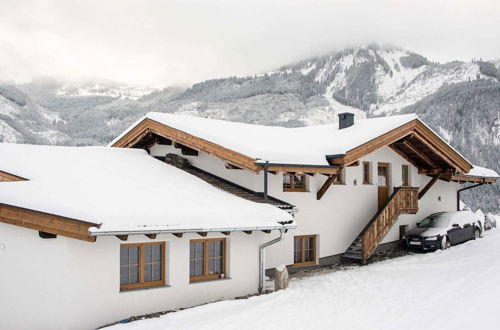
(383, 184)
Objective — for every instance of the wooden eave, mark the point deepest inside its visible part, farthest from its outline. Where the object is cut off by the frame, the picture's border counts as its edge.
(142, 136)
(416, 143)
(467, 178)
(151, 126)
(45, 222)
(7, 177)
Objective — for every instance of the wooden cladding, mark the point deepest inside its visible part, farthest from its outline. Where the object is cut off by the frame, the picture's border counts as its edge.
(418, 131)
(207, 259)
(142, 265)
(294, 182)
(404, 200)
(187, 140)
(45, 222)
(7, 177)
(304, 250)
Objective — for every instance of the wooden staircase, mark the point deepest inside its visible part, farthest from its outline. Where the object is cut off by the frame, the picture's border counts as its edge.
(404, 200)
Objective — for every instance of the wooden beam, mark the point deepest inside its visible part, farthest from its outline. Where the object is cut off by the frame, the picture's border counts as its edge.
(248, 232)
(45, 222)
(230, 166)
(299, 169)
(7, 177)
(122, 237)
(404, 156)
(437, 171)
(178, 235)
(419, 153)
(151, 236)
(203, 233)
(356, 163)
(428, 186)
(163, 141)
(227, 233)
(325, 186)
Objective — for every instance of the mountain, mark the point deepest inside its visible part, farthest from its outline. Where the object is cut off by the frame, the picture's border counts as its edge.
(459, 100)
(24, 121)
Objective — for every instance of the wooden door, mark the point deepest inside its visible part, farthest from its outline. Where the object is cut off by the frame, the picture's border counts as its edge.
(383, 184)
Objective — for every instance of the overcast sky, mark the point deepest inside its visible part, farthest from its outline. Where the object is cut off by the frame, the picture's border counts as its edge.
(163, 42)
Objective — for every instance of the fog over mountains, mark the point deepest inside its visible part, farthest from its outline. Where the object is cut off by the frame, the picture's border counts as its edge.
(459, 100)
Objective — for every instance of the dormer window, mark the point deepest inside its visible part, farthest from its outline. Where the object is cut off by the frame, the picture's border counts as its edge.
(294, 182)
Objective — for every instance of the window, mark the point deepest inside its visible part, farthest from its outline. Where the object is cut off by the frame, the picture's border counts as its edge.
(304, 252)
(294, 182)
(207, 259)
(367, 176)
(142, 265)
(339, 178)
(405, 172)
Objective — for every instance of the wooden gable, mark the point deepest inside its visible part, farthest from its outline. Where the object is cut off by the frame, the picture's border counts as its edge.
(418, 145)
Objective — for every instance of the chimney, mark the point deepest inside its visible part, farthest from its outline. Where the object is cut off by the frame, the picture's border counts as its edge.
(346, 119)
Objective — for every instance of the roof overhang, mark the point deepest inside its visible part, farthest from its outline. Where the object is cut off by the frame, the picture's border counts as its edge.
(415, 142)
(148, 132)
(4, 177)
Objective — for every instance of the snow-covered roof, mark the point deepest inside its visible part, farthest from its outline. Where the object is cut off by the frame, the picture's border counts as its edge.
(482, 172)
(302, 145)
(124, 190)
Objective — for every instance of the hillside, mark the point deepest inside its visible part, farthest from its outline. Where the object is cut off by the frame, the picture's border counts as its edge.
(459, 100)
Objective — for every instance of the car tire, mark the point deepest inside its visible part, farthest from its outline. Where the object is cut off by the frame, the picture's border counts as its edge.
(445, 243)
(477, 233)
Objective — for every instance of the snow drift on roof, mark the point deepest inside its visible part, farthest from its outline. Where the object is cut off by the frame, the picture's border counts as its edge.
(124, 189)
(302, 145)
(482, 172)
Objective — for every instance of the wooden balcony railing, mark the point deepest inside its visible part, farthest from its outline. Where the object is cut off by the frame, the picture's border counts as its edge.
(404, 200)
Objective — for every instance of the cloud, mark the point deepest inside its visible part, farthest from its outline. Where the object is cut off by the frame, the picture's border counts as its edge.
(162, 43)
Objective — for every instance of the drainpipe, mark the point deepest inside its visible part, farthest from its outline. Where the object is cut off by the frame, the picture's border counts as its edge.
(460, 190)
(266, 167)
(262, 259)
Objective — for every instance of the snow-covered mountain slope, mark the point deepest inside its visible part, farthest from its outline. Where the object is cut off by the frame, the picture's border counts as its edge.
(23, 121)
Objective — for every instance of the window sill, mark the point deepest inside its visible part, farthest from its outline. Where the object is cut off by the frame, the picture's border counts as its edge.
(305, 264)
(145, 288)
(209, 280)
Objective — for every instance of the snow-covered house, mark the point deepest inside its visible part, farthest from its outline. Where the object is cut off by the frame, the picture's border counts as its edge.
(96, 234)
(93, 235)
(357, 186)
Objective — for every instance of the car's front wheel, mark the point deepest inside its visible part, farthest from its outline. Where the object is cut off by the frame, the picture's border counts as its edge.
(445, 243)
(477, 233)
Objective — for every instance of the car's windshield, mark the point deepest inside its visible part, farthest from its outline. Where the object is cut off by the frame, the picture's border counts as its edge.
(434, 221)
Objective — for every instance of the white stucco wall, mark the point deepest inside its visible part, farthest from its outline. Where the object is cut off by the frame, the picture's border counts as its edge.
(64, 283)
(343, 211)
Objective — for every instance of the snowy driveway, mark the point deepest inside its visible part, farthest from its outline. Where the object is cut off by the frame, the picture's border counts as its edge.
(454, 289)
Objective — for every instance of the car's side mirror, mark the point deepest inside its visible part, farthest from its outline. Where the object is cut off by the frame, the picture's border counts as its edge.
(418, 224)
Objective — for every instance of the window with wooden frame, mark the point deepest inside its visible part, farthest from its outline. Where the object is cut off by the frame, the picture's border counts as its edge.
(142, 265)
(304, 251)
(367, 174)
(405, 175)
(339, 178)
(207, 259)
(294, 182)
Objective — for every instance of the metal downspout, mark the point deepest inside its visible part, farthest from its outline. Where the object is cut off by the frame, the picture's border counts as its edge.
(466, 188)
(266, 167)
(262, 259)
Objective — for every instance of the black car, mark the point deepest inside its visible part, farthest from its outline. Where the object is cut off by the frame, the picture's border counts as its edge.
(442, 230)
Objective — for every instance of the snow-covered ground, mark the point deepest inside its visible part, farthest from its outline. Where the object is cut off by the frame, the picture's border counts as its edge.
(454, 289)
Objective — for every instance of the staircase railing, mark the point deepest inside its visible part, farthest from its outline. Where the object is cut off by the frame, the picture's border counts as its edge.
(403, 200)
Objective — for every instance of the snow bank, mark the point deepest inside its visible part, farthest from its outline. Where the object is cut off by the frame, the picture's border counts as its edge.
(124, 189)
(453, 289)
